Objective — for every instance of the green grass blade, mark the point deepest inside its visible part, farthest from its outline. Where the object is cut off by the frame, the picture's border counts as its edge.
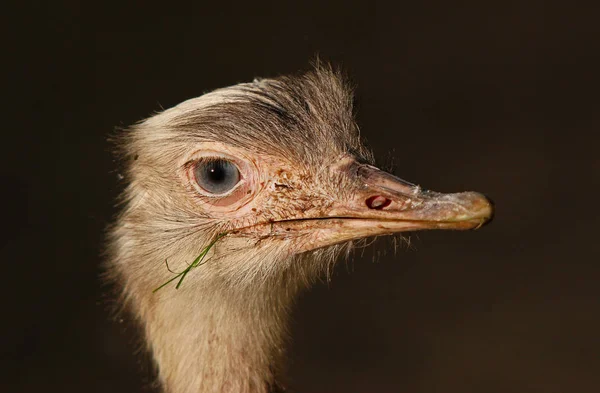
(197, 262)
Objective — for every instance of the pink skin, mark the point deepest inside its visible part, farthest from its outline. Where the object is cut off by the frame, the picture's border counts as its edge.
(347, 201)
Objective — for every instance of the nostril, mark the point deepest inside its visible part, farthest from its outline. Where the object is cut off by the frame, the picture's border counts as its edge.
(377, 202)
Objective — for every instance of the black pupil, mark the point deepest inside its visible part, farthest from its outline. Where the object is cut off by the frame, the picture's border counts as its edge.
(216, 172)
(217, 176)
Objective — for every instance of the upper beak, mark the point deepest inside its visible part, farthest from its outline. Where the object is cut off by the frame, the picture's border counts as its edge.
(399, 205)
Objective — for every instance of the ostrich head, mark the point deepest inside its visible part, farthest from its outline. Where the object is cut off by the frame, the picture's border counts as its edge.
(277, 170)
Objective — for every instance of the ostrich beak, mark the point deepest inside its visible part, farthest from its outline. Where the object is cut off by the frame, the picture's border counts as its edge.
(380, 204)
(385, 204)
(398, 204)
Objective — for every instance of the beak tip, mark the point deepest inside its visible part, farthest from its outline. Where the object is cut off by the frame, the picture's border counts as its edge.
(491, 207)
(485, 208)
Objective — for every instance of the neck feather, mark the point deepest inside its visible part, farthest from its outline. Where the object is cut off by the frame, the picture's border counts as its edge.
(225, 328)
(214, 338)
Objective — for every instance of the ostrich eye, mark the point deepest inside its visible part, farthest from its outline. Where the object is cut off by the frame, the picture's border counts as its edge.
(216, 176)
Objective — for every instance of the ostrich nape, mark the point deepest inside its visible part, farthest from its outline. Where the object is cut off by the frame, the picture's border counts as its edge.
(277, 168)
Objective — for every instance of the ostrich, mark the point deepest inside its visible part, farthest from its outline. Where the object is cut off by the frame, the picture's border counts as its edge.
(273, 174)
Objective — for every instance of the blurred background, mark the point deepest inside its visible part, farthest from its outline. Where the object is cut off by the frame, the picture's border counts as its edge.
(502, 98)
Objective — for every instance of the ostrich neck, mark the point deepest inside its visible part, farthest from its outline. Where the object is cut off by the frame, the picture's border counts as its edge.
(216, 339)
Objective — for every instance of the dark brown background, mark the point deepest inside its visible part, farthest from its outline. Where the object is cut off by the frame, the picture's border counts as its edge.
(501, 98)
